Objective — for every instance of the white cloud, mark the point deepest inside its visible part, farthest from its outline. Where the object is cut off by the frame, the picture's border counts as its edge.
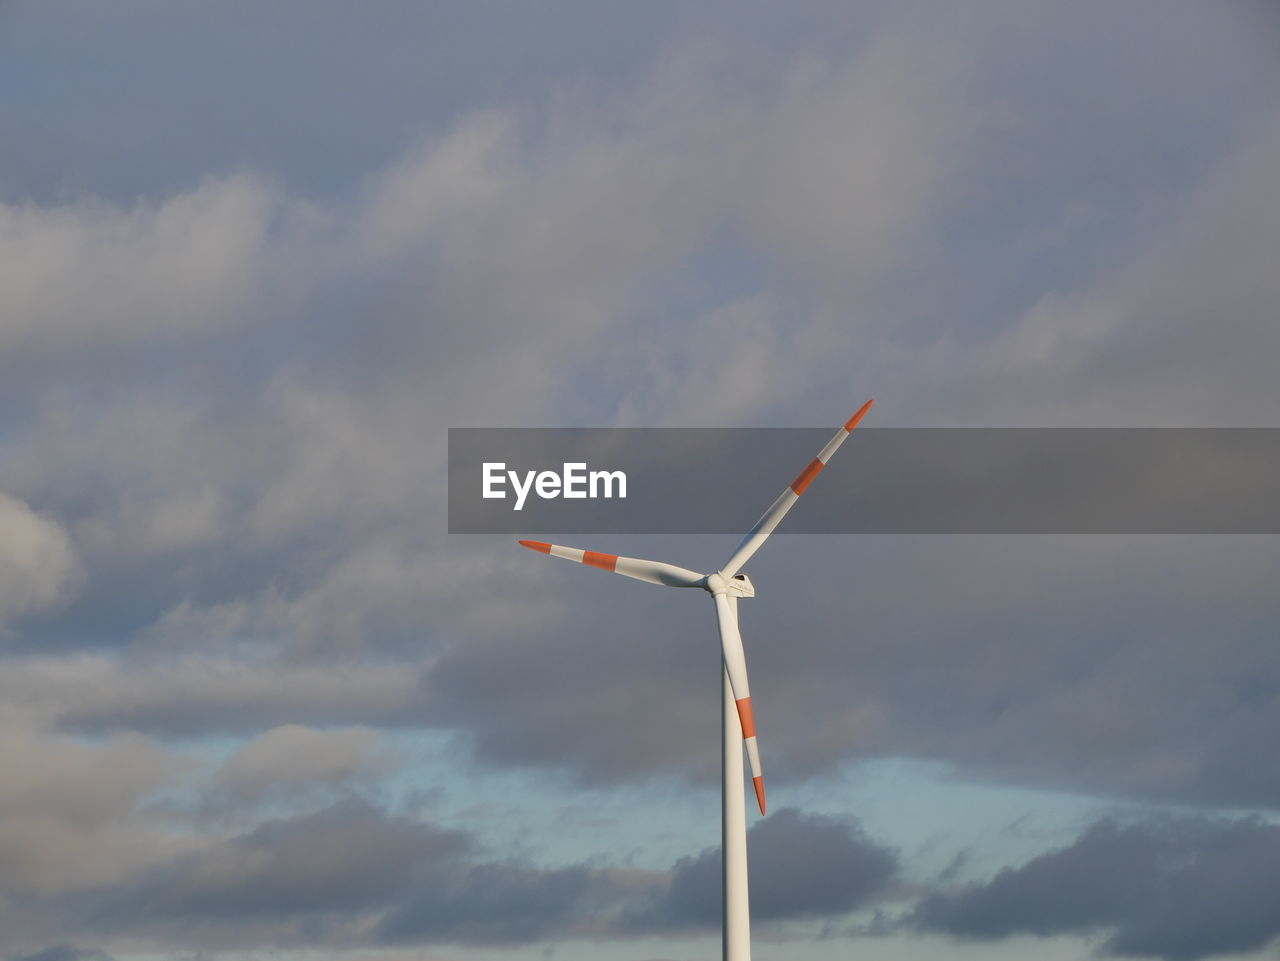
(850, 160)
(190, 693)
(38, 563)
(86, 274)
(70, 813)
(423, 195)
(292, 757)
(168, 522)
(1181, 334)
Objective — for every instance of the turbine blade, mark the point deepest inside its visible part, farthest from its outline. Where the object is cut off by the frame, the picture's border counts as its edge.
(655, 572)
(735, 662)
(786, 500)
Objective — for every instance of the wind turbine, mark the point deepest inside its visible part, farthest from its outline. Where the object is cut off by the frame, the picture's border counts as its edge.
(738, 726)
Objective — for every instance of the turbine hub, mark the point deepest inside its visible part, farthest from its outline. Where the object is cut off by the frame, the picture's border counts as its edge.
(739, 585)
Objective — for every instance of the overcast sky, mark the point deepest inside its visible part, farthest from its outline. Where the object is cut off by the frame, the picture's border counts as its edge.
(256, 258)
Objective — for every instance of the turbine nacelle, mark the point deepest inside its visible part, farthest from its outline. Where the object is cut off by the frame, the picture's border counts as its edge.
(736, 585)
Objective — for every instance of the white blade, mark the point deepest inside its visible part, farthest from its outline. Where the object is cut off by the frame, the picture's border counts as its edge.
(765, 525)
(735, 662)
(655, 572)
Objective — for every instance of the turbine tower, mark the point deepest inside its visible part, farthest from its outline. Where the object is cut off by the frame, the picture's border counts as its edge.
(738, 725)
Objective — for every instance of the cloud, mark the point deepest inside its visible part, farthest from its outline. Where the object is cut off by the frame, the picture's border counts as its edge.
(499, 903)
(65, 952)
(1140, 343)
(89, 273)
(163, 524)
(38, 563)
(884, 136)
(293, 757)
(1147, 690)
(353, 874)
(186, 694)
(1175, 888)
(423, 195)
(70, 815)
(1138, 692)
(802, 866)
(270, 370)
(343, 858)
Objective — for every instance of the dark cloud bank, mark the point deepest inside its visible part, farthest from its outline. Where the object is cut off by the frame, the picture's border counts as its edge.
(352, 874)
(1175, 888)
(1178, 889)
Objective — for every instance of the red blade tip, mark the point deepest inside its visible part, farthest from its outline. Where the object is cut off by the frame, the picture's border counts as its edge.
(853, 421)
(537, 546)
(759, 785)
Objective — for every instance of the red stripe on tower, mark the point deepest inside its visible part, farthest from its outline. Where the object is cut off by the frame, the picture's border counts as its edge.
(606, 562)
(808, 474)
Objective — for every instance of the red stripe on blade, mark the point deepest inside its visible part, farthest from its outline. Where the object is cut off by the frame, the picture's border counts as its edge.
(852, 422)
(759, 786)
(808, 474)
(747, 717)
(537, 546)
(605, 562)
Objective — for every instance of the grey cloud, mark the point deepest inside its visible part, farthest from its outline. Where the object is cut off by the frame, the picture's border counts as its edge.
(810, 865)
(1141, 343)
(894, 129)
(83, 274)
(338, 860)
(802, 866)
(354, 874)
(292, 758)
(69, 817)
(1179, 889)
(1146, 688)
(178, 696)
(305, 879)
(569, 693)
(402, 67)
(503, 903)
(64, 952)
(38, 562)
(1032, 660)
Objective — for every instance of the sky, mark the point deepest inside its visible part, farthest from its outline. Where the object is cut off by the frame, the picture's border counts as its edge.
(257, 258)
